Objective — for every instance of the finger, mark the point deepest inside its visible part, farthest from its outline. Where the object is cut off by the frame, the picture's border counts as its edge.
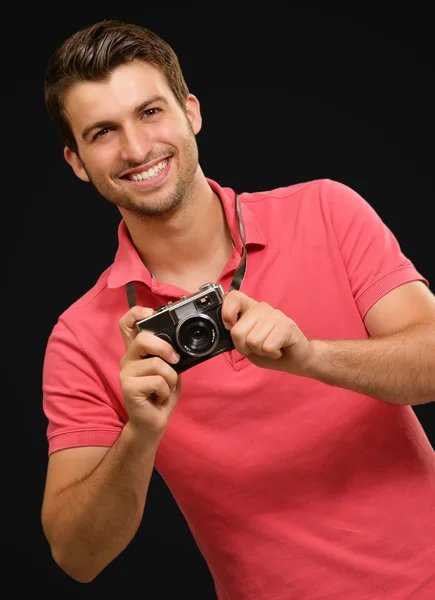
(241, 331)
(154, 388)
(257, 336)
(235, 304)
(275, 342)
(127, 323)
(149, 367)
(254, 324)
(148, 344)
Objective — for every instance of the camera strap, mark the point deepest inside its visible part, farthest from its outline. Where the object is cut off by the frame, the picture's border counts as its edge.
(238, 275)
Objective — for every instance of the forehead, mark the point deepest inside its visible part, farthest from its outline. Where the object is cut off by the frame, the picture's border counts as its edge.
(115, 97)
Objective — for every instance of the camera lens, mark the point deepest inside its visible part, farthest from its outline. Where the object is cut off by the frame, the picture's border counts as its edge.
(197, 335)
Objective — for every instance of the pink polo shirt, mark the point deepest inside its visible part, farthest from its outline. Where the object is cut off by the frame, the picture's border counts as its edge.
(291, 488)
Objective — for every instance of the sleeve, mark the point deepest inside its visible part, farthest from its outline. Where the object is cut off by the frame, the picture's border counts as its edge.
(372, 255)
(80, 408)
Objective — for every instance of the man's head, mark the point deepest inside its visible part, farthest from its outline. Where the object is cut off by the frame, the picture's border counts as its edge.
(119, 99)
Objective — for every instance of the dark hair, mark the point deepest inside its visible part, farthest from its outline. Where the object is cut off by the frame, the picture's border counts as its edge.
(93, 52)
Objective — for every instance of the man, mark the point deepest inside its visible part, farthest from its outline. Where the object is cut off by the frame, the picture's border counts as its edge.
(295, 457)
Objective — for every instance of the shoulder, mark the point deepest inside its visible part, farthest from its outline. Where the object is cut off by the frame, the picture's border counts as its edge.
(292, 191)
(317, 190)
(87, 300)
(321, 197)
(315, 206)
(90, 310)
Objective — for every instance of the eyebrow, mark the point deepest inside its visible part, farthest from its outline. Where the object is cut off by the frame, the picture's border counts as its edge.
(102, 124)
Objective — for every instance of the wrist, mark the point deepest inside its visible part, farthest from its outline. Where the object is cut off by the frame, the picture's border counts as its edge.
(315, 367)
(140, 437)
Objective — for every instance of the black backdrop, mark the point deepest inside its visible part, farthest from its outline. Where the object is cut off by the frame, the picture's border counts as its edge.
(286, 97)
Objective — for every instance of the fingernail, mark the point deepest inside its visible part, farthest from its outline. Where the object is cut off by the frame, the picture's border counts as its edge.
(175, 357)
(227, 325)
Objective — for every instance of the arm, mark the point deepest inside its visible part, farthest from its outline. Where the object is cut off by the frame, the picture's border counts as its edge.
(398, 368)
(396, 365)
(94, 497)
(93, 506)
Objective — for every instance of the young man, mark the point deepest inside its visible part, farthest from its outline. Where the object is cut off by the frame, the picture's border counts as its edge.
(295, 456)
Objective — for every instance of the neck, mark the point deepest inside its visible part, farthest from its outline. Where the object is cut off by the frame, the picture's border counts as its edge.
(191, 247)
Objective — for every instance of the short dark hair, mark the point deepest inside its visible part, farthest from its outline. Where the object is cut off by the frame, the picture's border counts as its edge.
(93, 52)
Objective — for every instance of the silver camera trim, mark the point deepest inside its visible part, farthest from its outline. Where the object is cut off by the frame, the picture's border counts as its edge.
(197, 316)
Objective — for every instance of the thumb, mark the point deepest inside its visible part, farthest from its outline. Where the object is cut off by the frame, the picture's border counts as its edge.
(127, 323)
(235, 304)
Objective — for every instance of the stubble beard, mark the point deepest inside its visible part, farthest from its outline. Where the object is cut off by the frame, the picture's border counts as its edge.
(163, 205)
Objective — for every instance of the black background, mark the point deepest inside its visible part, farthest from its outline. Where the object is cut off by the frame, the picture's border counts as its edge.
(286, 96)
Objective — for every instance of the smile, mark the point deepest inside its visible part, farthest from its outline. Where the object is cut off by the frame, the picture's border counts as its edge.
(150, 177)
(151, 173)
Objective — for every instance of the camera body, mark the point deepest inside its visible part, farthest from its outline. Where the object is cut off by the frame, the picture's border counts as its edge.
(192, 325)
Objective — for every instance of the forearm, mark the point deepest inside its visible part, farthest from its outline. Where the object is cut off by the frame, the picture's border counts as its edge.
(94, 519)
(398, 369)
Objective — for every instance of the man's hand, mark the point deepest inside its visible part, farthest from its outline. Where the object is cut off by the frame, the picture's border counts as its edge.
(266, 336)
(150, 386)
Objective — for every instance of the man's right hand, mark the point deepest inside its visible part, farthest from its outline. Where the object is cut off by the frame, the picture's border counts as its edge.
(150, 386)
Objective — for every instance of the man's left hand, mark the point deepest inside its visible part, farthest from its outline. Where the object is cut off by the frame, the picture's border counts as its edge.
(266, 335)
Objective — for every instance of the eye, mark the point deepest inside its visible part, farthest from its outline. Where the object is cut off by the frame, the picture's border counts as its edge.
(101, 132)
(151, 112)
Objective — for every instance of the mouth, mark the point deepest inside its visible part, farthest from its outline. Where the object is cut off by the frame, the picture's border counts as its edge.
(149, 177)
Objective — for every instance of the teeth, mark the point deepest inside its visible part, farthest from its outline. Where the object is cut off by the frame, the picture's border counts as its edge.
(150, 173)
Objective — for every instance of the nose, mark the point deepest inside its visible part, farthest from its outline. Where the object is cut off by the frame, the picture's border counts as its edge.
(135, 144)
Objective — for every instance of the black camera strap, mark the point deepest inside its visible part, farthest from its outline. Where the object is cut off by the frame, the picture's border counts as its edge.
(238, 275)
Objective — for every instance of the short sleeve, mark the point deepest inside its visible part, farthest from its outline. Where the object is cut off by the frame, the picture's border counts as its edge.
(78, 404)
(372, 255)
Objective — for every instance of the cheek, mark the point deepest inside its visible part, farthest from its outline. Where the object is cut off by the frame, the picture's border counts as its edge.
(103, 159)
(167, 134)
(171, 131)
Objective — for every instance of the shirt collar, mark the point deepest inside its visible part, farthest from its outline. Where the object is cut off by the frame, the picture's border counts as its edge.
(128, 266)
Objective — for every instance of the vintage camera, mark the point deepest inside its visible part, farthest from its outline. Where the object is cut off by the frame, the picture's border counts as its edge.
(192, 325)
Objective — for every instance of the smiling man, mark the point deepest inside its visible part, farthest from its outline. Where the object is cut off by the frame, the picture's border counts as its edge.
(112, 147)
(294, 454)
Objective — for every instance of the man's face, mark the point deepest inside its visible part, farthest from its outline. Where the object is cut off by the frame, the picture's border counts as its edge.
(135, 143)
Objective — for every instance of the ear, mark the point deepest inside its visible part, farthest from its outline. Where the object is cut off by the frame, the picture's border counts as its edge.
(75, 163)
(193, 112)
